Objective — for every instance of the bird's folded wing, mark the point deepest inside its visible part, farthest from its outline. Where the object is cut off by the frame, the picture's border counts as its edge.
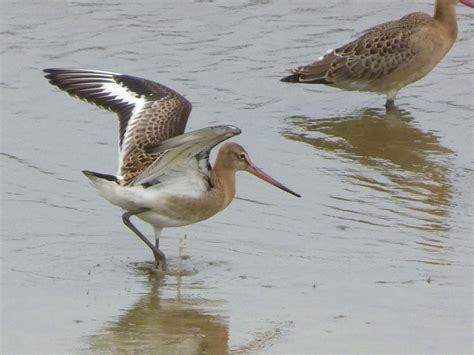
(177, 152)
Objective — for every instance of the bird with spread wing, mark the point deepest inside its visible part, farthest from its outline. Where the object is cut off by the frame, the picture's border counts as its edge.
(164, 175)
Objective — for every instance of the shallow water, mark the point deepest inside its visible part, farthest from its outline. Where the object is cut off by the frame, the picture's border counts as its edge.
(376, 256)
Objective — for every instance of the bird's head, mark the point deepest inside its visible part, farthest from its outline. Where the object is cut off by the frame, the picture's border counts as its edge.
(237, 159)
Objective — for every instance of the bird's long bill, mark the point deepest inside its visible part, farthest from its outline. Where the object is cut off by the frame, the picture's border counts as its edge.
(252, 169)
(469, 3)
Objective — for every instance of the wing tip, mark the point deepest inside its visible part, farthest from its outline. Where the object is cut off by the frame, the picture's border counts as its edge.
(77, 71)
(233, 129)
(49, 73)
(224, 129)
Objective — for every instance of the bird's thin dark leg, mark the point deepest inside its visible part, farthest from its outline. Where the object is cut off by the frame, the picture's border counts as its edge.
(157, 237)
(160, 259)
(390, 104)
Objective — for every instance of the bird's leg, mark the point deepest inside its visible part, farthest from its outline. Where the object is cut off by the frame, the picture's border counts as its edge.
(160, 259)
(157, 237)
(390, 103)
(157, 246)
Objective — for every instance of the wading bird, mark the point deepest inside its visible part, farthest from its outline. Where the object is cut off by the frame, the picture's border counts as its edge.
(387, 57)
(164, 175)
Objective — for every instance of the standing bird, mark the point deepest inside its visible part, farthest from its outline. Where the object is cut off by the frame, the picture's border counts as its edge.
(164, 175)
(389, 56)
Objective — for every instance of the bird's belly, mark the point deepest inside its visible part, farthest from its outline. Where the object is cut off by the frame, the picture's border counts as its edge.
(400, 77)
(358, 85)
(393, 81)
(405, 76)
(175, 211)
(167, 208)
(164, 220)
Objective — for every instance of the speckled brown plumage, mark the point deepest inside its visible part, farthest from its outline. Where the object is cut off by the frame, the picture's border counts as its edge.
(159, 120)
(148, 112)
(386, 57)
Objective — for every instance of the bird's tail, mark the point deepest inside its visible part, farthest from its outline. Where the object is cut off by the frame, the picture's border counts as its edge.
(106, 185)
(305, 79)
(96, 178)
(109, 187)
(293, 78)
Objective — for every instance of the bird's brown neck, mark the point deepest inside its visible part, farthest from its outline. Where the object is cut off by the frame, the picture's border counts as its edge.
(445, 15)
(223, 179)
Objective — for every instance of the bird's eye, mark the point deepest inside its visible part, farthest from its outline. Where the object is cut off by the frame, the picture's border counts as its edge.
(242, 156)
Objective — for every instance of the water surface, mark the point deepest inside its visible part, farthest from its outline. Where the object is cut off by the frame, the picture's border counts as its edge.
(376, 256)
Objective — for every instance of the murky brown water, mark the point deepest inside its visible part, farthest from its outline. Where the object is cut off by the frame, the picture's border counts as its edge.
(376, 256)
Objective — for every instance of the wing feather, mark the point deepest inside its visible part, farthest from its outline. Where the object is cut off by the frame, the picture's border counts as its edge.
(148, 112)
(184, 152)
(377, 52)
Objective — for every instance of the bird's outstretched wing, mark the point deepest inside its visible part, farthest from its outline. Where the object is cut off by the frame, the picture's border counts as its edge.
(148, 112)
(184, 156)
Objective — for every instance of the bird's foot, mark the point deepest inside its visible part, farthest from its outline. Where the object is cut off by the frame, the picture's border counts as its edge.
(160, 265)
(390, 105)
(160, 260)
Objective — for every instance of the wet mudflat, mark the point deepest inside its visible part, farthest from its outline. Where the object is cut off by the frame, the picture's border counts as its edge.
(376, 256)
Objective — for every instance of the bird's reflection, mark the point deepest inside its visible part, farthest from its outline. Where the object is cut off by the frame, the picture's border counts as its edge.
(409, 165)
(157, 325)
